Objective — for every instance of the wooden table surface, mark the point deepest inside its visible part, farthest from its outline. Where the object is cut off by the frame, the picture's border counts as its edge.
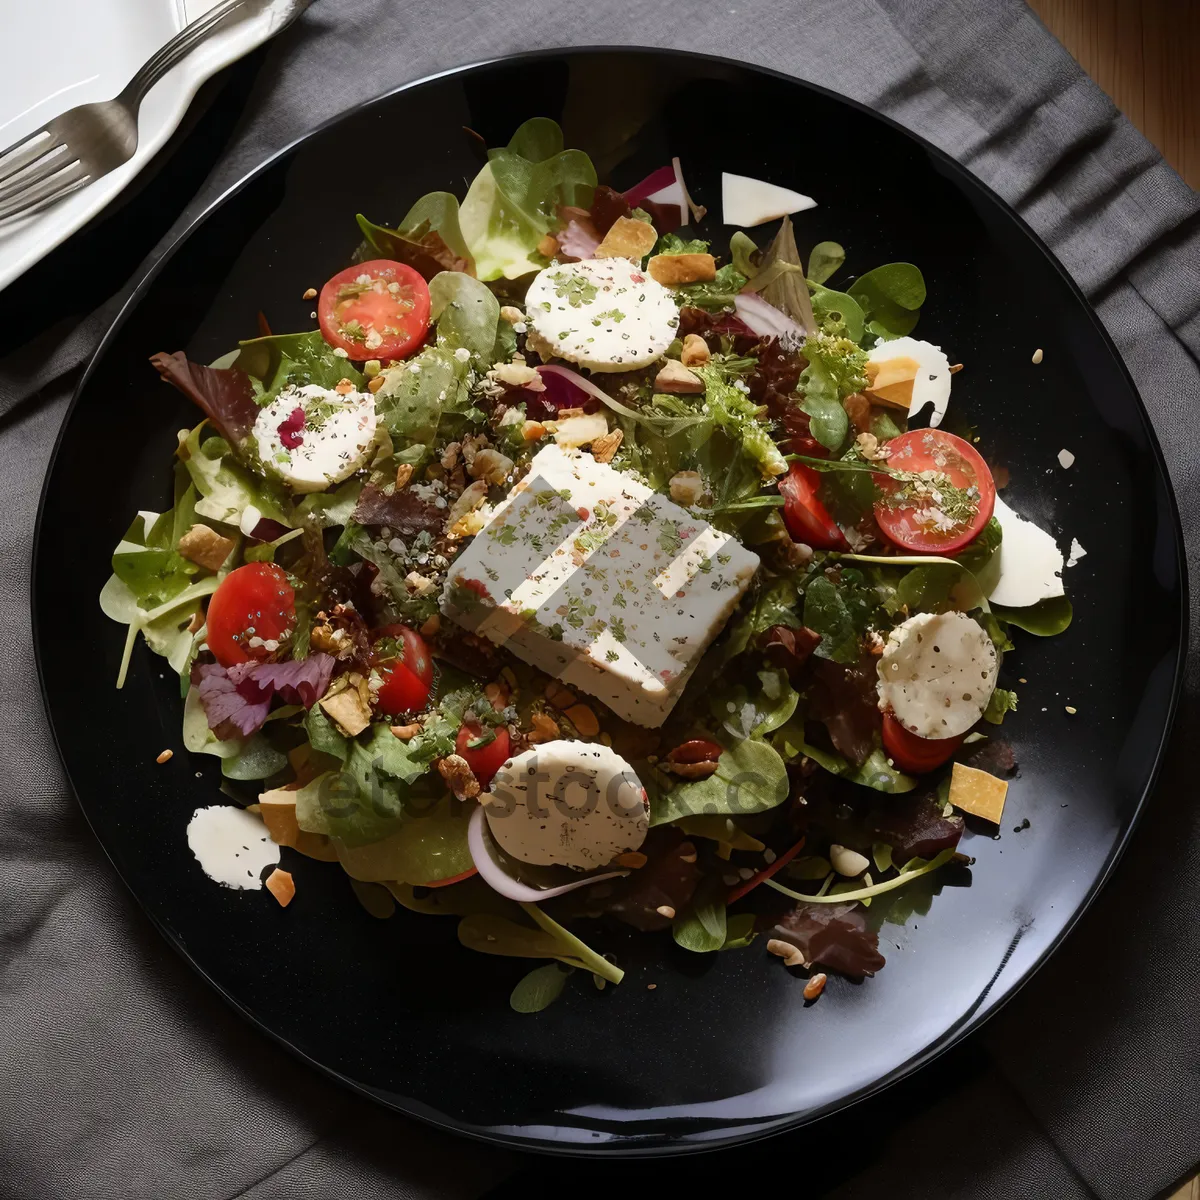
(1146, 55)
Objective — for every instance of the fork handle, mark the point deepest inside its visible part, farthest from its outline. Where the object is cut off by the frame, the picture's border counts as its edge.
(182, 44)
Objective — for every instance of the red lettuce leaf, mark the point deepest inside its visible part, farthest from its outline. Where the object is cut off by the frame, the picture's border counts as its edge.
(788, 648)
(402, 511)
(421, 248)
(845, 700)
(609, 205)
(237, 699)
(224, 394)
(834, 935)
(911, 824)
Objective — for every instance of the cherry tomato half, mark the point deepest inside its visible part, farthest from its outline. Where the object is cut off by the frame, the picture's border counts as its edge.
(807, 519)
(402, 659)
(914, 754)
(377, 309)
(924, 525)
(486, 759)
(255, 601)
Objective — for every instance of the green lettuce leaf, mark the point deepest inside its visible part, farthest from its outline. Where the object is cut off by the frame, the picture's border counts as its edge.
(298, 359)
(1001, 702)
(715, 295)
(227, 487)
(413, 397)
(467, 315)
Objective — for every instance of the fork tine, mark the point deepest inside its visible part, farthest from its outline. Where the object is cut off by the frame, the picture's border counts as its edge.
(68, 179)
(22, 154)
(43, 168)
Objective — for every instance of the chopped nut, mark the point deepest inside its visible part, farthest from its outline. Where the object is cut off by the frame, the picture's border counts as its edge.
(404, 472)
(858, 409)
(561, 697)
(579, 431)
(432, 626)
(511, 314)
(847, 862)
(376, 384)
(693, 770)
(309, 294)
(665, 910)
(545, 728)
(418, 584)
(671, 270)
(603, 449)
(686, 487)
(458, 776)
(490, 465)
(627, 238)
(196, 623)
(687, 852)
(343, 387)
(406, 733)
(531, 431)
(282, 886)
(815, 986)
(449, 459)
(548, 246)
(165, 757)
(565, 414)
(651, 986)
(472, 498)
(584, 720)
(1037, 356)
(518, 375)
(634, 859)
(695, 351)
(790, 954)
(205, 547)
(675, 377)
(955, 368)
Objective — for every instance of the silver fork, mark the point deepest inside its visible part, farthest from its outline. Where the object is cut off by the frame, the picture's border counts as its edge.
(90, 140)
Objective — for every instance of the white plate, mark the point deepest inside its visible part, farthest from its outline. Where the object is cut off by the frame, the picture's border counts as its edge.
(43, 73)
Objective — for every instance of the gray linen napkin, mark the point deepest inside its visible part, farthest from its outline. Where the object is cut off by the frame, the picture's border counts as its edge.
(122, 1076)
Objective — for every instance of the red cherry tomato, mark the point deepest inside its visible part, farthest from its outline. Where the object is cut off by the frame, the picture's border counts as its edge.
(484, 760)
(254, 601)
(807, 519)
(914, 754)
(923, 526)
(402, 659)
(378, 299)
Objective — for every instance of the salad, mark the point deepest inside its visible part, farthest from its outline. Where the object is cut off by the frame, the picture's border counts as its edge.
(575, 571)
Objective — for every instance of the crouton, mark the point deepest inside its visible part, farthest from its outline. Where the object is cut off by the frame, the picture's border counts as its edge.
(628, 238)
(205, 547)
(672, 270)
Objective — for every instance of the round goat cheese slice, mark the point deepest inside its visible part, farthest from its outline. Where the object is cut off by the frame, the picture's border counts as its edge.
(937, 673)
(606, 314)
(313, 437)
(564, 803)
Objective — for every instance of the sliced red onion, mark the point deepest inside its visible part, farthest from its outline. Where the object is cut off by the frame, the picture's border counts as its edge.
(765, 319)
(654, 183)
(586, 385)
(492, 870)
(698, 210)
(576, 241)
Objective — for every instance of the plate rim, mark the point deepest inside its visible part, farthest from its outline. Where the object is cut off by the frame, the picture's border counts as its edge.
(623, 1145)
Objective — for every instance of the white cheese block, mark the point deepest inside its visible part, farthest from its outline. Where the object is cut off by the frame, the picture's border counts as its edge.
(747, 202)
(232, 846)
(932, 384)
(603, 313)
(570, 804)
(336, 439)
(937, 673)
(1028, 564)
(591, 576)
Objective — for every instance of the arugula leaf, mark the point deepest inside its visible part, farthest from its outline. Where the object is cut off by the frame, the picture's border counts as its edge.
(825, 612)
(1001, 702)
(467, 314)
(539, 989)
(701, 926)
(890, 297)
(823, 260)
(1044, 619)
(750, 778)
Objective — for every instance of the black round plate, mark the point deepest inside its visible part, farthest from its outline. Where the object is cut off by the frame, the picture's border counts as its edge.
(723, 1048)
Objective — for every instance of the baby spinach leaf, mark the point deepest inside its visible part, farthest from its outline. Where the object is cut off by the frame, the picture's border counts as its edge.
(1001, 702)
(890, 297)
(539, 989)
(739, 931)
(836, 312)
(411, 401)
(773, 604)
(467, 314)
(437, 212)
(745, 716)
(419, 244)
(825, 613)
(701, 927)
(823, 260)
(828, 419)
(297, 359)
(1044, 619)
(750, 778)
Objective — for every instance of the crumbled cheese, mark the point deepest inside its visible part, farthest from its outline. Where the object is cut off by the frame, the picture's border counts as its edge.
(1065, 458)
(1077, 552)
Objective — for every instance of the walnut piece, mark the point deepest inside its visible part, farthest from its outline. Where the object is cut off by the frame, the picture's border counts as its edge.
(675, 377)
(205, 547)
(459, 777)
(603, 449)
